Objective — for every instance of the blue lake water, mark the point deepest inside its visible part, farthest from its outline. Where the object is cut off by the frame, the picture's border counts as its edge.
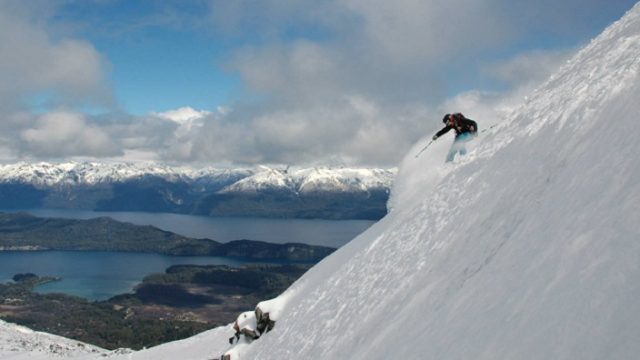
(94, 275)
(332, 233)
(101, 275)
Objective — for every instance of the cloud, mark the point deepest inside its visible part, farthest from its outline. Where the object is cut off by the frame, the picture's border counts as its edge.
(390, 51)
(361, 80)
(33, 63)
(330, 81)
(356, 83)
(65, 133)
(52, 70)
(309, 135)
(182, 115)
(528, 67)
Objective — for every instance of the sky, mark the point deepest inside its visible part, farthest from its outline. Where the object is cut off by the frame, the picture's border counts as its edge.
(218, 82)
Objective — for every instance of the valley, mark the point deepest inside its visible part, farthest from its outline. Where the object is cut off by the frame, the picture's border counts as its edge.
(181, 302)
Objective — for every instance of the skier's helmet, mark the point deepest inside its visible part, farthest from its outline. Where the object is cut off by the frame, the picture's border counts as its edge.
(446, 118)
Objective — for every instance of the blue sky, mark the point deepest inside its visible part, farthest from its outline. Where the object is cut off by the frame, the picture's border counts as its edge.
(159, 57)
(180, 70)
(272, 81)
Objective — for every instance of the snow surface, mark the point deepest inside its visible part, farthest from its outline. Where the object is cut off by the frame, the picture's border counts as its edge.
(20, 343)
(207, 345)
(526, 248)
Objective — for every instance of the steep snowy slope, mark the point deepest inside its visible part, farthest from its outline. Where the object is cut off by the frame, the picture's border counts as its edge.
(528, 248)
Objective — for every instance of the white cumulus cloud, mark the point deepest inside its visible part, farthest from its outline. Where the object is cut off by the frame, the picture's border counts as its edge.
(32, 62)
(182, 115)
(65, 133)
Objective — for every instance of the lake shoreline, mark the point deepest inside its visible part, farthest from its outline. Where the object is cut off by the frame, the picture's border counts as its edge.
(25, 231)
(319, 232)
(165, 306)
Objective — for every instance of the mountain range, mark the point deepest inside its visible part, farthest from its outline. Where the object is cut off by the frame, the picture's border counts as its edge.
(320, 192)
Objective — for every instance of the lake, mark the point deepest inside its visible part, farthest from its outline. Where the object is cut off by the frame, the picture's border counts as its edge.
(94, 275)
(101, 275)
(332, 233)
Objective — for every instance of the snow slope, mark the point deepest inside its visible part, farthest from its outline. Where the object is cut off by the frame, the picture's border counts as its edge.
(18, 343)
(527, 248)
(206, 345)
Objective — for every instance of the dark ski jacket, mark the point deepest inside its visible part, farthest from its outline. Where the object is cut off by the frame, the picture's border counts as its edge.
(462, 126)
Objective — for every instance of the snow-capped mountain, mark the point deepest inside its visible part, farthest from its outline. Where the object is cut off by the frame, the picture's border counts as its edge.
(203, 191)
(330, 193)
(315, 179)
(91, 173)
(269, 179)
(526, 248)
(251, 179)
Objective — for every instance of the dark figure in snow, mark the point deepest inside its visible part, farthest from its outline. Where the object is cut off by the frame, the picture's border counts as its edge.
(465, 130)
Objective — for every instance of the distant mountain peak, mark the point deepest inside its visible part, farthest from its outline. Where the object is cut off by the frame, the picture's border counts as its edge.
(316, 179)
(77, 173)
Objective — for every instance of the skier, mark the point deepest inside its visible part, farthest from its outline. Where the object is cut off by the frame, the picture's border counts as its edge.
(465, 130)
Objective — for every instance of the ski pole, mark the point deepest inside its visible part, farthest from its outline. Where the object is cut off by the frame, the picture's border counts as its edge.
(489, 128)
(424, 148)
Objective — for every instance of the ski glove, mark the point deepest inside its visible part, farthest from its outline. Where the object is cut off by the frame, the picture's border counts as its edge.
(434, 137)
